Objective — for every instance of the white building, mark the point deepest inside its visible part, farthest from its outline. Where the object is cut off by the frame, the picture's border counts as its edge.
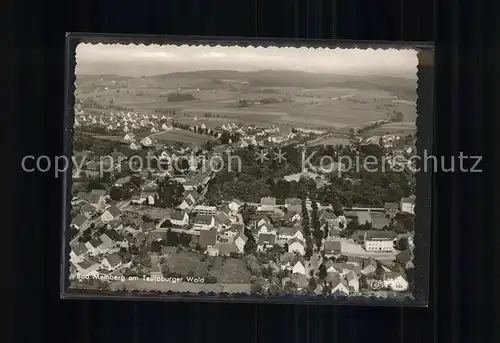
(147, 142)
(382, 241)
(202, 209)
(408, 205)
(295, 245)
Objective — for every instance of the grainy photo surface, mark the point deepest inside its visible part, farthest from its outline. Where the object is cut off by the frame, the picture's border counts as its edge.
(243, 170)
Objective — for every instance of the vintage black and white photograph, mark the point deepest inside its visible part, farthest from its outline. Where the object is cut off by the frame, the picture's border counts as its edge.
(271, 171)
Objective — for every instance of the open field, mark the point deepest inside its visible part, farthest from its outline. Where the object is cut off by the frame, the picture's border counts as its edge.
(401, 128)
(141, 285)
(156, 213)
(182, 136)
(332, 141)
(226, 270)
(379, 220)
(185, 262)
(312, 101)
(111, 138)
(231, 271)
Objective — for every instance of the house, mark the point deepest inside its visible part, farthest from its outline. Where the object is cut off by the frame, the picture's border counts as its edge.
(369, 267)
(78, 223)
(147, 227)
(94, 246)
(78, 252)
(179, 218)
(134, 146)
(287, 233)
(111, 213)
(155, 236)
(82, 196)
(112, 262)
(107, 242)
(407, 205)
(299, 266)
(135, 199)
(329, 217)
(265, 241)
(231, 232)
(332, 248)
(97, 197)
(379, 241)
(391, 208)
(122, 181)
(293, 205)
(129, 136)
(235, 205)
(222, 221)
(329, 266)
(286, 260)
(88, 267)
(291, 217)
(226, 210)
(352, 281)
(240, 240)
(202, 209)
(267, 204)
(187, 203)
(203, 222)
(117, 238)
(265, 228)
(148, 197)
(192, 195)
(167, 128)
(208, 238)
(340, 287)
(147, 142)
(115, 225)
(296, 245)
(263, 221)
(396, 282)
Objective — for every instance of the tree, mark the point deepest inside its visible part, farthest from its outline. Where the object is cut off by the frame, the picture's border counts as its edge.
(312, 284)
(309, 247)
(379, 271)
(256, 288)
(353, 225)
(402, 244)
(156, 246)
(326, 231)
(250, 247)
(95, 185)
(327, 290)
(290, 287)
(322, 272)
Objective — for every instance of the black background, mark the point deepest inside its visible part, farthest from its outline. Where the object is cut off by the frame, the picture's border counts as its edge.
(465, 226)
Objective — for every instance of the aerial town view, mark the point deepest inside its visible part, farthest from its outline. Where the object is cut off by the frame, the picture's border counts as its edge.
(265, 171)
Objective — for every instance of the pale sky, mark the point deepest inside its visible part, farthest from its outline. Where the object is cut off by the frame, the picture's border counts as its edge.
(139, 60)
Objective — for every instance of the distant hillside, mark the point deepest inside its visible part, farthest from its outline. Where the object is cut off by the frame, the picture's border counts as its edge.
(404, 88)
(398, 86)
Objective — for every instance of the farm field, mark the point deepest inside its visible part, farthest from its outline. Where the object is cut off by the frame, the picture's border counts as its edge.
(332, 141)
(133, 285)
(232, 271)
(156, 213)
(335, 103)
(182, 136)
